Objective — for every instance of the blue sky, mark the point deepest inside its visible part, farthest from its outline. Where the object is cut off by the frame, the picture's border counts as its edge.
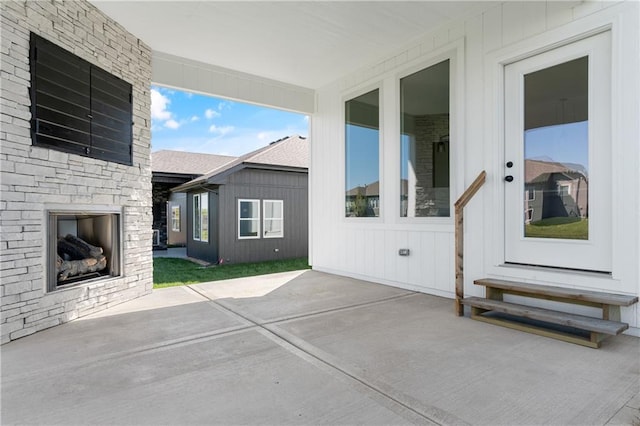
(363, 156)
(564, 143)
(191, 122)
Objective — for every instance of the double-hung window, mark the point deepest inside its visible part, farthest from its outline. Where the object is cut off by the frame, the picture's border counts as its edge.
(248, 219)
(201, 217)
(273, 220)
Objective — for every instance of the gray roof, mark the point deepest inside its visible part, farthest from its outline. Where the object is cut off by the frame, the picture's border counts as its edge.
(557, 176)
(188, 163)
(289, 152)
(373, 189)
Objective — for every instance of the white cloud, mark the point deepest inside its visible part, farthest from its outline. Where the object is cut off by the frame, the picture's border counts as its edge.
(224, 130)
(159, 106)
(209, 113)
(172, 124)
(195, 118)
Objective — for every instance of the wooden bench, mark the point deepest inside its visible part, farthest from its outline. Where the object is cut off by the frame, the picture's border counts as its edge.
(580, 329)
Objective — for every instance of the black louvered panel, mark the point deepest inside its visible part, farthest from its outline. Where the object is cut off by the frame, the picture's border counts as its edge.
(110, 89)
(61, 85)
(112, 110)
(78, 107)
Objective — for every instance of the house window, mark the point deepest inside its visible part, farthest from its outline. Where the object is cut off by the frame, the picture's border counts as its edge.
(424, 143)
(531, 194)
(77, 107)
(362, 151)
(175, 218)
(273, 221)
(564, 190)
(248, 219)
(201, 217)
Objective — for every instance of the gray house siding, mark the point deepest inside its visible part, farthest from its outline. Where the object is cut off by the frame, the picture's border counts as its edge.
(207, 251)
(291, 188)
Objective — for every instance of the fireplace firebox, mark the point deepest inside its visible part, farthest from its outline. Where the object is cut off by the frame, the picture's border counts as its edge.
(83, 246)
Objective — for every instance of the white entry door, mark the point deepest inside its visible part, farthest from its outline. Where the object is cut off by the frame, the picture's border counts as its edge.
(557, 174)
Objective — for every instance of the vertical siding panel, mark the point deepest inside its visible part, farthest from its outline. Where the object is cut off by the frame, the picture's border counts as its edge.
(389, 260)
(521, 20)
(586, 8)
(402, 263)
(442, 260)
(428, 259)
(457, 31)
(414, 239)
(474, 152)
(377, 244)
(492, 28)
(559, 13)
(441, 37)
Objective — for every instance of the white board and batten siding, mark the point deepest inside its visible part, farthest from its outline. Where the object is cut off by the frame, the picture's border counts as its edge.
(478, 46)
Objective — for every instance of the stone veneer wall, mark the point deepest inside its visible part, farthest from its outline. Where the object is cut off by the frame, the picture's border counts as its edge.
(33, 178)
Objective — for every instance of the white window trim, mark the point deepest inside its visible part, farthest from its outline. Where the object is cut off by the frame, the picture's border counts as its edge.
(196, 215)
(175, 224)
(454, 52)
(381, 126)
(201, 197)
(250, 200)
(264, 218)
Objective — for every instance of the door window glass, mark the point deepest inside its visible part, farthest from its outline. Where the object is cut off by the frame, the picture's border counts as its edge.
(556, 151)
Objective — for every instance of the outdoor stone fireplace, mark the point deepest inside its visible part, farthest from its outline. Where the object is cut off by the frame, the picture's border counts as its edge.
(98, 198)
(83, 246)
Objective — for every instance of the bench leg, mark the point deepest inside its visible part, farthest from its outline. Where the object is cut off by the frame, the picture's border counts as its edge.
(611, 312)
(494, 294)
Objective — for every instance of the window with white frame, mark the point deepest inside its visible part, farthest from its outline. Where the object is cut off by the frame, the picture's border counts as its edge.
(362, 155)
(425, 148)
(248, 219)
(273, 220)
(201, 217)
(175, 218)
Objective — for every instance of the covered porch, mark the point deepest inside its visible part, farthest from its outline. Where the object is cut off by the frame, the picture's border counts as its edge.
(309, 348)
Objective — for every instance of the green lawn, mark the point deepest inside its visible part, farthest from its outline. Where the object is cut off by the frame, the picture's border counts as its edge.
(565, 228)
(169, 272)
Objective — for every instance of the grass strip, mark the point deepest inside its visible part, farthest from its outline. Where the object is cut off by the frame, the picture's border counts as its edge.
(170, 272)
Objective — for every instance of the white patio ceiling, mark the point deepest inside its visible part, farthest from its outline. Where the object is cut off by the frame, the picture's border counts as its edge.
(307, 44)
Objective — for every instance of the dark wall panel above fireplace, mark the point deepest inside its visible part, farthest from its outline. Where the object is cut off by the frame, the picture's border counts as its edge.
(78, 107)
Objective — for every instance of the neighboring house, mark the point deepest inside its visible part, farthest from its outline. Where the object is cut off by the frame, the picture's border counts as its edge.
(363, 201)
(555, 190)
(253, 208)
(169, 169)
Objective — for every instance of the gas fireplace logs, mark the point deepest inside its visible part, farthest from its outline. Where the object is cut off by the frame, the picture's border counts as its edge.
(77, 257)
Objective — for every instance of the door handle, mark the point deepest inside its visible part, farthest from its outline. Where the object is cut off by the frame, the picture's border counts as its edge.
(508, 178)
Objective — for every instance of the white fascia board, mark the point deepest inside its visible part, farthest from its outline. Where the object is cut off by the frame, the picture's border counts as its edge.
(186, 74)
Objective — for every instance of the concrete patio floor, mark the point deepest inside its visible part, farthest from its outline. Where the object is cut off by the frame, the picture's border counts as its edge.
(309, 348)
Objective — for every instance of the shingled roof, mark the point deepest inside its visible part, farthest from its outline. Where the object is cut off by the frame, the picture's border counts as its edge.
(187, 163)
(291, 152)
